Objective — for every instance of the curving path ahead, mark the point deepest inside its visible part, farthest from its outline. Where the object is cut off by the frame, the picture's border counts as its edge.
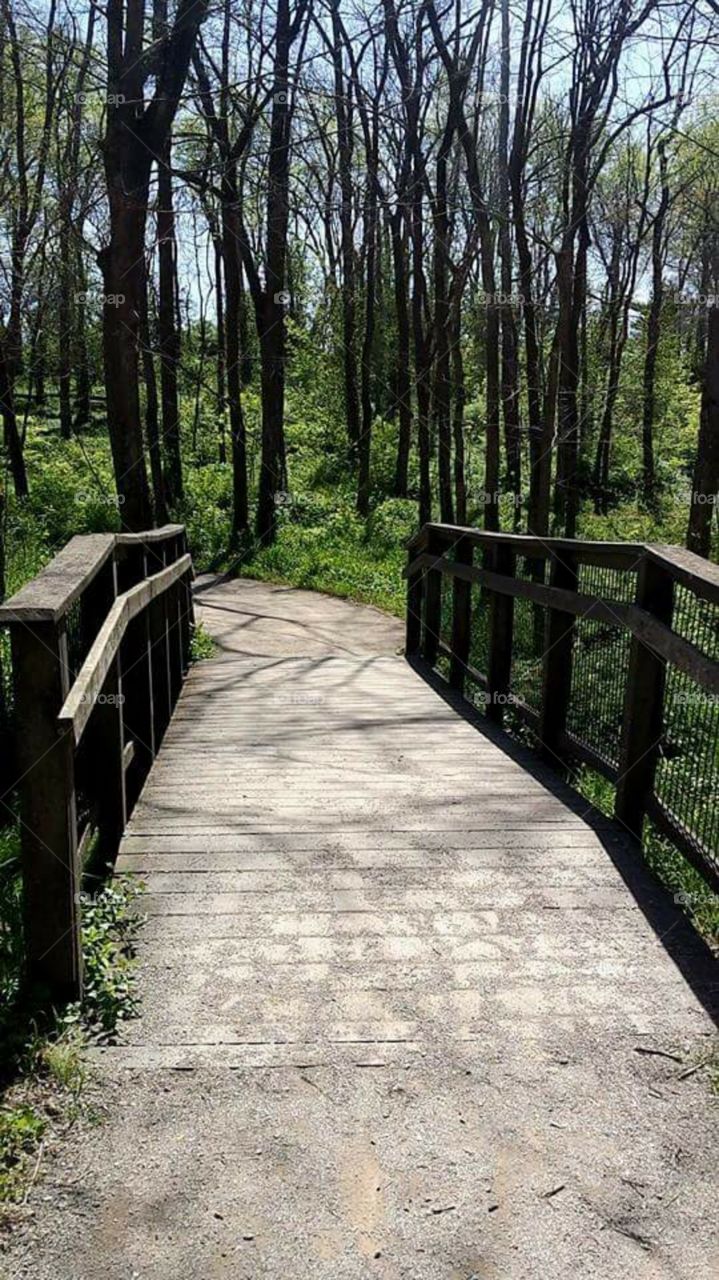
(409, 1010)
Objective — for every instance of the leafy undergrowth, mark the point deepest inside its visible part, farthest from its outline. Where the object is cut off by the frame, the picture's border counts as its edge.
(43, 1068)
(324, 546)
(202, 645)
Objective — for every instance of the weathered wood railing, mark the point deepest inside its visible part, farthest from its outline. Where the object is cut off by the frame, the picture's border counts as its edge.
(607, 653)
(100, 645)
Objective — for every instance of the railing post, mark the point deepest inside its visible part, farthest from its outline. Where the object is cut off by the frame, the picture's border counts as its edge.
(50, 865)
(432, 605)
(159, 655)
(643, 719)
(557, 664)
(186, 608)
(461, 618)
(501, 622)
(413, 621)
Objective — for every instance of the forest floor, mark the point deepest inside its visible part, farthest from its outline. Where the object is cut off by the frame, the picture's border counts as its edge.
(410, 1009)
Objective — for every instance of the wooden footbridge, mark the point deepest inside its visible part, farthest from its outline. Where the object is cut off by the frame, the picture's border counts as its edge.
(411, 1005)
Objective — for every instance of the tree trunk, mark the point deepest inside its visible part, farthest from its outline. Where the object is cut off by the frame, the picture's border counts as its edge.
(510, 365)
(152, 420)
(271, 328)
(442, 372)
(123, 270)
(238, 442)
(654, 318)
(65, 322)
(221, 348)
(168, 333)
(403, 385)
(343, 116)
(11, 434)
(705, 487)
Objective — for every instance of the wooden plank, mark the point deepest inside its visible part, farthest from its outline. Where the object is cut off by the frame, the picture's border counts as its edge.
(619, 555)
(700, 575)
(165, 532)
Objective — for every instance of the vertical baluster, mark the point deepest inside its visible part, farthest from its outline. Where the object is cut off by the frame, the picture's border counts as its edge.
(461, 618)
(432, 603)
(415, 591)
(557, 663)
(501, 625)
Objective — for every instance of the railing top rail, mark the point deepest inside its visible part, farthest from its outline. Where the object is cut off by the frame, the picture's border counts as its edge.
(700, 575)
(56, 588)
(49, 595)
(150, 535)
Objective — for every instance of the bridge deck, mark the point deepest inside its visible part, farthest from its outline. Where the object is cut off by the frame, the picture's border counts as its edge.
(409, 1010)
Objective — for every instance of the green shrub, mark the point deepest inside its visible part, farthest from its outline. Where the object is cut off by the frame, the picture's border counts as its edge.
(392, 523)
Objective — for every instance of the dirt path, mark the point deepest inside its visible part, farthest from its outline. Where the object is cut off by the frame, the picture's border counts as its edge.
(406, 1007)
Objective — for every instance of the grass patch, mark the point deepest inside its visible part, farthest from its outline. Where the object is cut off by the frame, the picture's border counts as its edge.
(43, 1066)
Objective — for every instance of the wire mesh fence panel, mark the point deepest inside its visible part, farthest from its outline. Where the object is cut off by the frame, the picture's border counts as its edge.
(525, 680)
(446, 616)
(600, 665)
(76, 640)
(479, 630)
(687, 778)
(599, 673)
(608, 584)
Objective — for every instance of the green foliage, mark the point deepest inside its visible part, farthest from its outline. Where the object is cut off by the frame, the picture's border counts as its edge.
(21, 1129)
(201, 643)
(392, 523)
(335, 557)
(110, 924)
(207, 513)
(10, 918)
